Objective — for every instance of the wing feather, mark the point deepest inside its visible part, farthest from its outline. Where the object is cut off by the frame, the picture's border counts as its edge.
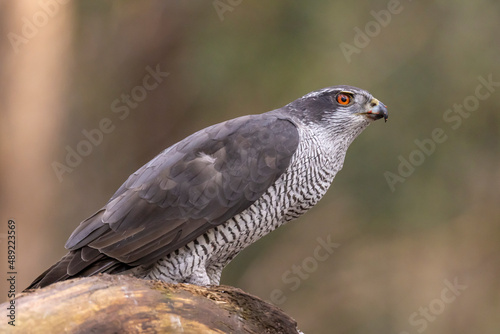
(187, 189)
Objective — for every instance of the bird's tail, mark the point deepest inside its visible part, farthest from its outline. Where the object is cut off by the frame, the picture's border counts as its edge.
(82, 262)
(55, 273)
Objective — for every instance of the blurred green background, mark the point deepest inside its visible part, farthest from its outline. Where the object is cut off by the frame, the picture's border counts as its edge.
(402, 243)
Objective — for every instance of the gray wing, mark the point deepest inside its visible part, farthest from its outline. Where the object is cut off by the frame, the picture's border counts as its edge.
(192, 186)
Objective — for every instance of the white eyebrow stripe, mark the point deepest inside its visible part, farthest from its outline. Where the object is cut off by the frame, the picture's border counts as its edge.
(318, 92)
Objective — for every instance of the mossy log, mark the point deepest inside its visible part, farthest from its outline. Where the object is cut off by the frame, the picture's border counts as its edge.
(124, 304)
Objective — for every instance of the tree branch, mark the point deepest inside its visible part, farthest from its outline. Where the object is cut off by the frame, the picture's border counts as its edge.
(124, 304)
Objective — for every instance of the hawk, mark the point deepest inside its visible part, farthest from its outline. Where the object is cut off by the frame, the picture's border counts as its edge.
(183, 216)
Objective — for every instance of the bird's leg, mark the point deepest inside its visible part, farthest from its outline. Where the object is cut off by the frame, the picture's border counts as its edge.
(214, 273)
(199, 277)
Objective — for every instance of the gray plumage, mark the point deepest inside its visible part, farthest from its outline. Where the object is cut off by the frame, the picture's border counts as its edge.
(187, 213)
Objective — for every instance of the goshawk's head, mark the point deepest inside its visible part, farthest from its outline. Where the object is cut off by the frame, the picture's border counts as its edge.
(344, 110)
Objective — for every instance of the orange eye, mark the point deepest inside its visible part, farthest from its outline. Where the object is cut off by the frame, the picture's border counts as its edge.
(343, 99)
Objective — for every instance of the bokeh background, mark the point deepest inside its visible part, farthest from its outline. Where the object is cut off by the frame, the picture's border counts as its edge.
(63, 65)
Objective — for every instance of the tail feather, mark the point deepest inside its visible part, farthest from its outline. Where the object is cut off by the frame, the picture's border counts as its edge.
(78, 263)
(55, 273)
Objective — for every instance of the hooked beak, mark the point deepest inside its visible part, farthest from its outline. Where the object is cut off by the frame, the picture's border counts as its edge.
(376, 110)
